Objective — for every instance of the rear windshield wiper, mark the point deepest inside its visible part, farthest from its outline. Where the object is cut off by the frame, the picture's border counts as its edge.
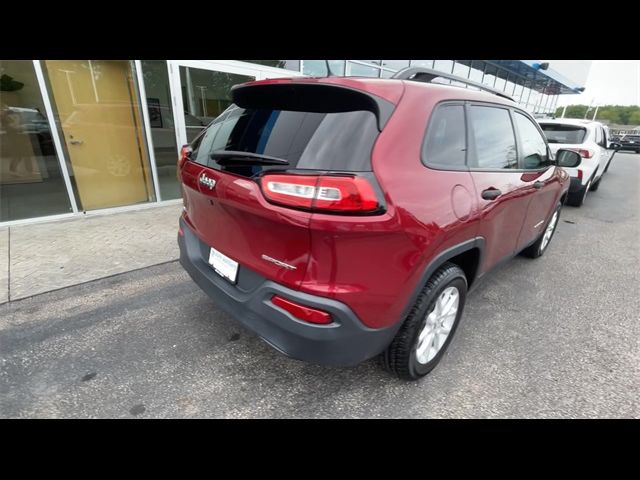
(236, 157)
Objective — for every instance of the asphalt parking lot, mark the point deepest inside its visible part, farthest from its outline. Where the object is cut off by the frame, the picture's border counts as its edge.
(553, 337)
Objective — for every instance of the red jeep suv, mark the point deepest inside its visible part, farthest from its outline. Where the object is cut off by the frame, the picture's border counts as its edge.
(340, 218)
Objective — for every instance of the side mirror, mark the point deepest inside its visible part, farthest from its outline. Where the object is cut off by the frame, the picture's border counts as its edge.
(615, 146)
(568, 158)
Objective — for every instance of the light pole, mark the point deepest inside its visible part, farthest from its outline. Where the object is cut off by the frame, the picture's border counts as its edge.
(588, 109)
(202, 96)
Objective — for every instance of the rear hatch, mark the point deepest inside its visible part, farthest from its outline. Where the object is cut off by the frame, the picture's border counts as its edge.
(251, 179)
(569, 137)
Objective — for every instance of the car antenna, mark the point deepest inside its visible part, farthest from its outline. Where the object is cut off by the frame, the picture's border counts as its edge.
(329, 72)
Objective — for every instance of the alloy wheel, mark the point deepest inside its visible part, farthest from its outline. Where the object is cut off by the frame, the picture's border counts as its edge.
(549, 231)
(438, 325)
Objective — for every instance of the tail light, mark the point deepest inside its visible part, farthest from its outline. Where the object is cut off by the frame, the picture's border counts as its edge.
(584, 153)
(579, 174)
(301, 312)
(321, 192)
(185, 154)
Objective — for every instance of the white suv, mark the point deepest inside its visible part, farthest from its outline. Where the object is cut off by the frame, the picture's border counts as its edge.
(591, 140)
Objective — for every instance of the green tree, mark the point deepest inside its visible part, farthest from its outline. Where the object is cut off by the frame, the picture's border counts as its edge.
(617, 114)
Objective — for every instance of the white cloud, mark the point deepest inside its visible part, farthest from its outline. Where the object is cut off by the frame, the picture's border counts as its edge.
(610, 82)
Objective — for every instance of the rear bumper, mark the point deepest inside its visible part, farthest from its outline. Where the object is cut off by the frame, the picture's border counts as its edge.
(345, 342)
(575, 185)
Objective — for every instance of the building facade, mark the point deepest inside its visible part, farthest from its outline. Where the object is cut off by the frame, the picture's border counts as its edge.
(81, 136)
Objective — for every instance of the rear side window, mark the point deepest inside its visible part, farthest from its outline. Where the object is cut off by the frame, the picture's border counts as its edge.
(558, 133)
(598, 135)
(495, 142)
(446, 144)
(307, 140)
(534, 148)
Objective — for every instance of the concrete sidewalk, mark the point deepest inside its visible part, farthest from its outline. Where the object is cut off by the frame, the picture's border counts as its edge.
(41, 257)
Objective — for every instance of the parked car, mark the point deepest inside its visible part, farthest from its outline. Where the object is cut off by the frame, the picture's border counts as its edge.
(341, 218)
(630, 142)
(589, 139)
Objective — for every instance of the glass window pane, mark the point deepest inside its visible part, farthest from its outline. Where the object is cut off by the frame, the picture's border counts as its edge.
(98, 110)
(476, 71)
(489, 75)
(461, 70)
(508, 88)
(495, 143)
(31, 183)
(163, 132)
(534, 148)
(374, 62)
(489, 79)
(446, 143)
(533, 100)
(422, 63)
(517, 96)
(443, 65)
(286, 64)
(526, 91)
(318, 68)
(358, 70)
(395, 64)
(205, 95)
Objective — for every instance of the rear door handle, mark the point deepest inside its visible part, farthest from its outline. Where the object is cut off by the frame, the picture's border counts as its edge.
(491, 193)
(538, 184)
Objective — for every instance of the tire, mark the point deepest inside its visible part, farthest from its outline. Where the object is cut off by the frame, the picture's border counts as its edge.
(576, 199)
(595, 185)
(540, 246)
(402, 358)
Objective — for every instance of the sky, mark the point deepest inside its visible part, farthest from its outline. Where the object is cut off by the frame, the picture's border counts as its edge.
(609, 82)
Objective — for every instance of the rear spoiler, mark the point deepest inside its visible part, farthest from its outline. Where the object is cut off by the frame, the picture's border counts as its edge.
(311, 97)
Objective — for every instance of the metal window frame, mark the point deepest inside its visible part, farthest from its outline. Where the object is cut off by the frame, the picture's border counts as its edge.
(146, 125)
(55, 134)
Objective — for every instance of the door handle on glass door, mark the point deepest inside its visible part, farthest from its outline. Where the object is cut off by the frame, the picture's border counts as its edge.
(491, 193)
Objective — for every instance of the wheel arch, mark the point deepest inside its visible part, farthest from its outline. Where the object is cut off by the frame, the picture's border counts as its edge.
(467, 255)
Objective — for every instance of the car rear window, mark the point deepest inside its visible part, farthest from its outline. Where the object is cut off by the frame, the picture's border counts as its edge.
(307, 140)
(558, 133)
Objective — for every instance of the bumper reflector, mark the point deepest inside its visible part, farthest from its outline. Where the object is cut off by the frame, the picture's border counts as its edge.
(306, 314)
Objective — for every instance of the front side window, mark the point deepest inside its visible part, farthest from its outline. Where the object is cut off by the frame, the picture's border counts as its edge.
(495, 143)
(534, 148)
(445, 144)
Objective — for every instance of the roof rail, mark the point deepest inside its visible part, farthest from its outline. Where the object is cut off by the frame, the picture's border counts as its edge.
(427, 75)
